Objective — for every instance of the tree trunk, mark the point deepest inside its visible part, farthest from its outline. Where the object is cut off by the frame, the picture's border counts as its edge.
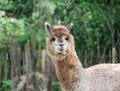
(103, 55)
(5, 69)
(48, 71)
(13, 60)
(0, 70)
(27, 60)
(18, 64)
(114, 55)
(85, 61)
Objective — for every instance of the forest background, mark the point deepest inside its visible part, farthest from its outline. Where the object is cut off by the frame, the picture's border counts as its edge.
(22, 35)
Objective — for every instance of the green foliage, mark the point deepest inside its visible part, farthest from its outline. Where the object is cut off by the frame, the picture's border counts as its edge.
(6, 85)
(17, 8)
(10, 27)
(56, 86)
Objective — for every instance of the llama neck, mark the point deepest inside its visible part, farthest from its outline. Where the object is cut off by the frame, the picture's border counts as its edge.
(69, 72)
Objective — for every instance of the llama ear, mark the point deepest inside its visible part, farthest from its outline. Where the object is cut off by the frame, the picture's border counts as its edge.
(69, 26)
(48, 27)
(59, 22)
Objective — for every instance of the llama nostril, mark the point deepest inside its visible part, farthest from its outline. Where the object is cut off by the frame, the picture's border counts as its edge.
(61, 44)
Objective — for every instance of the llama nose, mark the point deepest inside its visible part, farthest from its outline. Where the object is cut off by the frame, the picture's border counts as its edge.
(61, 45)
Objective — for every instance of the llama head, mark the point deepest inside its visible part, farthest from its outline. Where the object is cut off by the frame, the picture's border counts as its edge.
(60, 42)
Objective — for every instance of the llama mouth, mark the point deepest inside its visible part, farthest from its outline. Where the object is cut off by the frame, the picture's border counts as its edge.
(62, 53)
(61, 48)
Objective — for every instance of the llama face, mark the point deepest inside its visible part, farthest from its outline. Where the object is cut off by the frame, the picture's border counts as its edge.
(59, 42)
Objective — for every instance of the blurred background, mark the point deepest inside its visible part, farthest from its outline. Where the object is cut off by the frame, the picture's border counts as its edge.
(24, 63)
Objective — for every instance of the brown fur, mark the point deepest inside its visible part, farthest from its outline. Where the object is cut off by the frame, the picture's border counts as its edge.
(63, 30)
(66, 71)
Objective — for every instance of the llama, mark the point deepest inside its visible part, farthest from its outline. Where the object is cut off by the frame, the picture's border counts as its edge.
(70, 73)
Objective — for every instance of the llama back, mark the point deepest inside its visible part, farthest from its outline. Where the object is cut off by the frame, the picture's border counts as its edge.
(104, 77)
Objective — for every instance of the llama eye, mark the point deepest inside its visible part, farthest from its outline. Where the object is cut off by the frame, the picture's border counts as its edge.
(66, 38)
(53, 39)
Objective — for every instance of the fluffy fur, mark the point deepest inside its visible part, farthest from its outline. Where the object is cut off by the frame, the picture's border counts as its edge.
(71, 75)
